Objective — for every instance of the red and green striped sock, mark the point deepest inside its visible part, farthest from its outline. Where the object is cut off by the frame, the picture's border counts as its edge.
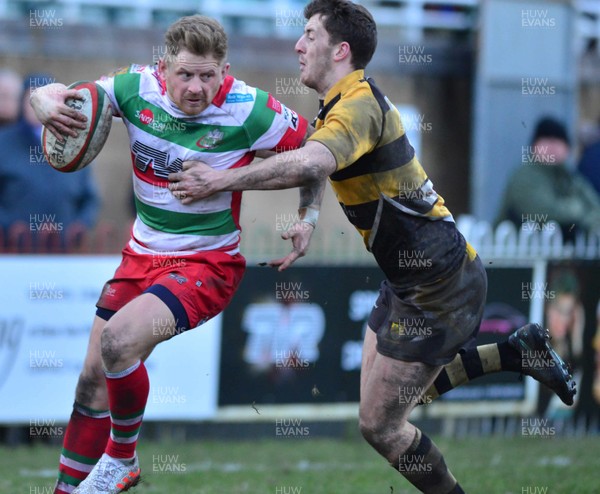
(127, 396)
(84, 442)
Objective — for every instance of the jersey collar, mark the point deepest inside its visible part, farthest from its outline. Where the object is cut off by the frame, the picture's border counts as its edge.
(345, 83)
(219, 98)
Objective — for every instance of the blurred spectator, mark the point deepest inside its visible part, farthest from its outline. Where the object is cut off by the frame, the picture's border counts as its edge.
(565, 316)
(545, 189)
(565, 319)
(11, 87)
(42, 205)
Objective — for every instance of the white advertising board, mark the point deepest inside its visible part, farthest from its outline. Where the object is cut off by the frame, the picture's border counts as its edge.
(47, 305)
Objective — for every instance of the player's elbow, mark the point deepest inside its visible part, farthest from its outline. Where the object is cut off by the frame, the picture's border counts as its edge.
(314, 172)
(319, 162)
(319, 167)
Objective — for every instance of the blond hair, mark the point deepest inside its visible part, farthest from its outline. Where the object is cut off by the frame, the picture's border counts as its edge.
(197, 34)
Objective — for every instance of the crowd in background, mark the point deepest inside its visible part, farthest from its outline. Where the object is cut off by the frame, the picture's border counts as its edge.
(37, 203)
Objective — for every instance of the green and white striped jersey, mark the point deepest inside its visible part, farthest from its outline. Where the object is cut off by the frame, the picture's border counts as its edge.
(240, 121)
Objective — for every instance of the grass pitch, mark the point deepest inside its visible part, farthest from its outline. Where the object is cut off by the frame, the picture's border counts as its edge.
(485, 465)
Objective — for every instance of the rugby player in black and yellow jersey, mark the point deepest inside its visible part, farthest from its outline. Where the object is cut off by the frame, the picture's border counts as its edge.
(423, 325)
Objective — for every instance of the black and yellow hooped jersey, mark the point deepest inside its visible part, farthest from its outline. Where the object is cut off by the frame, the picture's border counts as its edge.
(383, 188)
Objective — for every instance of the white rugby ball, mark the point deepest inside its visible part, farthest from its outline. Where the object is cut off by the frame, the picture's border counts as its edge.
(75, 153)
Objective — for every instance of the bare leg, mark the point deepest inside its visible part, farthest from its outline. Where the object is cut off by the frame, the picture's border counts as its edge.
(131, 334)
(91, 386)
(390, 390)
(88, 429)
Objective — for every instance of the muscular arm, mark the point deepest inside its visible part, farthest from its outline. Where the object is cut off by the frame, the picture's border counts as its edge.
(304, 167)
(301, 167)
(311, 196)
(307, 168)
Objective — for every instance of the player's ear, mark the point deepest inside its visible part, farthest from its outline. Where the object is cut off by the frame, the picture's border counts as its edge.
(341, 51)
(225, 69)
(162, 67)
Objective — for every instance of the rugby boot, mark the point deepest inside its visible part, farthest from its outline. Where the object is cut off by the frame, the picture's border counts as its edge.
(540, 361)
(110, 476)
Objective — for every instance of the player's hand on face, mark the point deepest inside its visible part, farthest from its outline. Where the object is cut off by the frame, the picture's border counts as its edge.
(195, 181)
(300, 233)
(49, 104)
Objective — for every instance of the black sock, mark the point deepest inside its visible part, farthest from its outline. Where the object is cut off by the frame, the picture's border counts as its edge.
(510, 358)
(424, 467)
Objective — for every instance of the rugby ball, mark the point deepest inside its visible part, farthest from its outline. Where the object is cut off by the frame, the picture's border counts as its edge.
(75, 153)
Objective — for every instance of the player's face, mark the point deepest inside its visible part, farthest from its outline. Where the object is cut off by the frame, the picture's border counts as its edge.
(192, 80)
(315, 55)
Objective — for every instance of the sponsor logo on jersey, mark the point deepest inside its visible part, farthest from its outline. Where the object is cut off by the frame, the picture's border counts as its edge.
(273, 104)
(238, 98)
(108, 291)
(210, 140)
(160, 162)
(178, 278)
(162, 124)
(291, 116)
(146, 116)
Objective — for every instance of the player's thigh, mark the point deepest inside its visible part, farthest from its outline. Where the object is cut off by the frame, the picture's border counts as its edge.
(377, 318)
(392, 389)
(369, 351)
(139, 326)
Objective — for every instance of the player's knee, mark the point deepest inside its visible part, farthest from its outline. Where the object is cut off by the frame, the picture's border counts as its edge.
(382, 433)
(367, 432)
(372, 429)
(111, 345)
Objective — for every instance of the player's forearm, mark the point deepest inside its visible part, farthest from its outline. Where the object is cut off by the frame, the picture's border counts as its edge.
(310, 202)
(311, 195)
(282, 171)
(306, 166)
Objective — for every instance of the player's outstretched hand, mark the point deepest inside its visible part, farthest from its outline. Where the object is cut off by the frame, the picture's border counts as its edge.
(196, 180)
(300, 233)
(49, 104)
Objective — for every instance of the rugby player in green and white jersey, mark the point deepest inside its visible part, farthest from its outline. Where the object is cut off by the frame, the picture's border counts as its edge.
(186, 108)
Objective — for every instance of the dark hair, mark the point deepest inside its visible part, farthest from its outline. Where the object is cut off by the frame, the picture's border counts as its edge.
(565, 282)
(349, 22)
(550, 127)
